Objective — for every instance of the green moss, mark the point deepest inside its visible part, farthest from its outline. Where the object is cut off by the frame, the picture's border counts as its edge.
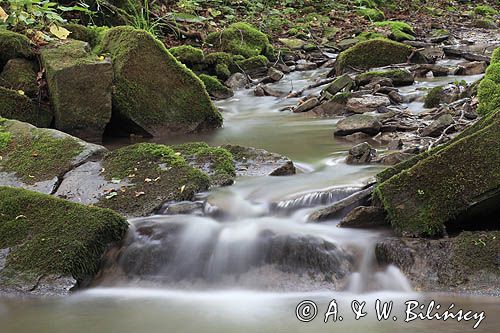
(15, 105)
(241, 38)
(5, 136)
(20, 74)
(37, 155)
(433, 97)
(89, 34)
(367, 35)
(489, 87)
(222, 71)
(341, 97)
(14, 45)
(400, 31)
(373, 53)
(253, 62)
(398, 76)
(485, 10)
(148, 77)
(219, 160)
(48, 235)
(372, 14)
(156, 174)
(188, 54)
(214, 87)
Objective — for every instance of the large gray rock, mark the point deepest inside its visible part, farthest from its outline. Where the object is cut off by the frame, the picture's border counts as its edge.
(80, 86)
(259, 162)
(438, 125)
(358, 123)
(306, 105)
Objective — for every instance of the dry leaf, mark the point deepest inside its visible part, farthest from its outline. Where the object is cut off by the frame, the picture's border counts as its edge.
(59, 32)
(138, 194)
(3, 15)
(20, 92)
(183, 187)
(148, 180)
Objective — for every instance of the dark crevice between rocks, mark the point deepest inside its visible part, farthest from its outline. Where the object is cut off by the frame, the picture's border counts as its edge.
(481, 215)
(119, 126)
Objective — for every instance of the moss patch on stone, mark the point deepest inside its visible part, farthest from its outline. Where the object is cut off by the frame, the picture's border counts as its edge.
(215, 88)
(155, 173)
(489, 88)
(242, 39)
(372, 53)
(215, 161)
(152, 89)
(48, 235)
(433, 97)
(477, 251)
(14, 45)
(253, 63)
(400, 31)
(399, 77)
(36, 155)
(372, 14)
(20, 74)
(188, 54)
(15, 104)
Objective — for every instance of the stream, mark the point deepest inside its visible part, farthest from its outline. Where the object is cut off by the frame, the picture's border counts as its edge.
(226, 271)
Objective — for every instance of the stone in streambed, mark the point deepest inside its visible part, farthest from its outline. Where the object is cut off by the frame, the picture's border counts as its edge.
(306, 105)
(471, 68)
(80, 85)
(51, 245)
(274, 74)
(399, 77)
(237, 81)
(361, 154)
(367, 103)
(343, 82)
(364, 217)
(153, 92)
(437, 126)
(358, 123)
(215, 88)
(36, 158)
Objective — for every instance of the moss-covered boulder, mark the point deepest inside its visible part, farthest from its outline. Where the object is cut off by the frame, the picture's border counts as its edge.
(153, 92)
(42, 237)
(489, 88)
(80, 85)
(215, 88)
(14, 45)
(399, 77)
(188, 55)
(398, 31)
(372, 53)
(90, 34)
(434, 97)
(36, 158)
(21, 75)
(435, 191)
(242, 39)
(14, 104)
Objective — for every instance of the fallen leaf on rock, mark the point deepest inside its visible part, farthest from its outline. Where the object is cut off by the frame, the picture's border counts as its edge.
(59, 32)
(138, 194)
(111, 195)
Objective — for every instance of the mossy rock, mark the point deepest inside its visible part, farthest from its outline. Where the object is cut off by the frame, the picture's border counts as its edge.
(241, 39)
(80, 86)
(399, 31)
(215, 88)
(433, 97)
(153, 174)
(373, 53)
(399, 77)
(292, 43)
(89, 34)
(424, 194)
(14, 45)
(188, 54)
(50, 236)
(154, 93)
(14, 104)
(489, 87)
(35, 158)
(20, 74)
(484, 23)
(252, 63)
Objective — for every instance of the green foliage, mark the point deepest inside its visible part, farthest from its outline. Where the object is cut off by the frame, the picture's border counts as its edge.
(5, 136)
(371, 14)
(485, 10)
(489, 88)
(37, 14)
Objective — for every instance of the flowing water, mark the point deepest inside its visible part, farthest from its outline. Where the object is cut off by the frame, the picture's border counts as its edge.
(247, 258)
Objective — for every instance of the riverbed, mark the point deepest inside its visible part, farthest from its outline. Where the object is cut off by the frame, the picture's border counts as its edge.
(230, 291)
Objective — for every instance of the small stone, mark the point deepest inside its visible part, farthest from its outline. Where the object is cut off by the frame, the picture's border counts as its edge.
(339, 84)
(307, 105)
(472, 68)
(364, 217)
(437, 126)
(274, 74)
(303, 65)
(358, 123)
(361, 154)
(237, 81)
(368, 103)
